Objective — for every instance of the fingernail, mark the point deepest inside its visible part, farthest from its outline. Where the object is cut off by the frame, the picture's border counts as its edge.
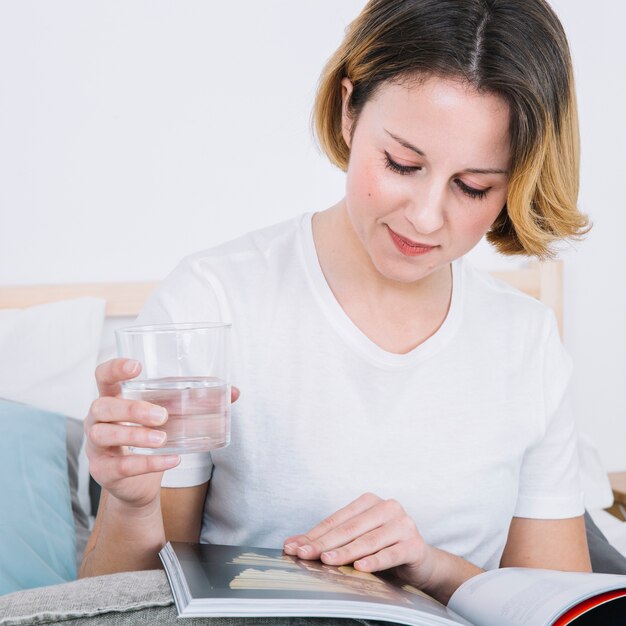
(157, 414)
(290, 547)
(361, 563)
(329, 555)
(171, 459)
(304, 550)
(130, 367)
(156, 436)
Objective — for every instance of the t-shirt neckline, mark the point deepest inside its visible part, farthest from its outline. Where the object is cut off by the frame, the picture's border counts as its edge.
(353, 335)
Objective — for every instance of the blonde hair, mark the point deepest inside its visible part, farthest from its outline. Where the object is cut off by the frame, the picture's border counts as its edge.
(516, 49)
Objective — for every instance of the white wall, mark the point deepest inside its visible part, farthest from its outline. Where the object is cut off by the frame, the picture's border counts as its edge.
(595, 294)
(133, 132)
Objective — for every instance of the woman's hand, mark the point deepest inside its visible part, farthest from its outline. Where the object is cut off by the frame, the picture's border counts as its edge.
(113, 424)
(373, 535)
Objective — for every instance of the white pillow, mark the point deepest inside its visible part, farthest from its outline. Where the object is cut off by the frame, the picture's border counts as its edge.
(48, 354)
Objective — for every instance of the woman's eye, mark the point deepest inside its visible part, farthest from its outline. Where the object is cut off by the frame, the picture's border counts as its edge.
(399, 169)
(471, 191)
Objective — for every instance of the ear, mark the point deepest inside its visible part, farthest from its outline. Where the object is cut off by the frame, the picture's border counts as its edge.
(346, 118)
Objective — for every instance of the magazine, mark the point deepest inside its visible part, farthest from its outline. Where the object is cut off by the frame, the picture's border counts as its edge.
(239, 581)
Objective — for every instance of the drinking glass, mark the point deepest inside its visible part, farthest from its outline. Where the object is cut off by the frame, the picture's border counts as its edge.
(185, 369)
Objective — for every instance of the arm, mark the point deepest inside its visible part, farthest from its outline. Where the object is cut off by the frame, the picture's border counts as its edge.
(189, 499)
(128, 538)
(123, 538)
(136, 516)
(559, 544)
(130, 528)
(128, 531)
(547, 543)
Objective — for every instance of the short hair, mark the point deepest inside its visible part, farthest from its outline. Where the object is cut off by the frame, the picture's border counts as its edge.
(516, 49)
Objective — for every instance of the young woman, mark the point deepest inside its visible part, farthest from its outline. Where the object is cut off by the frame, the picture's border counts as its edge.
(399, 409)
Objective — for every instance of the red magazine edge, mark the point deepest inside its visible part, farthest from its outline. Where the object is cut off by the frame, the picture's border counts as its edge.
(588, 604)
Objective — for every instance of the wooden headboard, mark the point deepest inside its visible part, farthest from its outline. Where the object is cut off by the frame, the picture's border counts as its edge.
(123, 299)
(543, 281)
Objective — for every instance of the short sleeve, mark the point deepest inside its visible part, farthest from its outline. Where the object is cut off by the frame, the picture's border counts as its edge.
(550, 485)
(189, 294)
(193, 469)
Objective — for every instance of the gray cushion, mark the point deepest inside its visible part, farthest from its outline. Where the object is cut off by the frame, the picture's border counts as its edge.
(126, 599)
(115, 598)
(74, 439)
(605, 558)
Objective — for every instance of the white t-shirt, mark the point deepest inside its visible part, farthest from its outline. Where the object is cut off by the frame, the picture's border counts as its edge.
(467, 430)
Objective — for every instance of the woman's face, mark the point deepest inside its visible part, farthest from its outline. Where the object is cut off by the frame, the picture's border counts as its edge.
(427, 174)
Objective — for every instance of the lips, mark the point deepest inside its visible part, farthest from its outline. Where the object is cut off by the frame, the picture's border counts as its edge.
(408, 247)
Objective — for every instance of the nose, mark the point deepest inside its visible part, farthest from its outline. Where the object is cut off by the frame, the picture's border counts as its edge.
(426, 211)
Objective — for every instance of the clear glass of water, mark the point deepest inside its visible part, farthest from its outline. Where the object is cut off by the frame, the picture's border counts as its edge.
(185, 369)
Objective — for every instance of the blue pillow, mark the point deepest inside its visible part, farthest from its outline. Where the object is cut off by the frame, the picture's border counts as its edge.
(37, 539)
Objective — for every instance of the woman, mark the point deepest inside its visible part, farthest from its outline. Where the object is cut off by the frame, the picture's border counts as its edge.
(399, 409)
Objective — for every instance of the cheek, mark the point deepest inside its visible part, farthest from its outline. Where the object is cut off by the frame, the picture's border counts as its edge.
(477, 223)
(362, 185)
(371, 189)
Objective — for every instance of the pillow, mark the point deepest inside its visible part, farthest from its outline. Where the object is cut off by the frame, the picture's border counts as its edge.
(613, 528)
(48, 354)
(605, 558)
(36, 522)
(73, 442)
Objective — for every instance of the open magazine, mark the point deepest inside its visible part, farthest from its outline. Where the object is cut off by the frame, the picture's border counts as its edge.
(239, 581)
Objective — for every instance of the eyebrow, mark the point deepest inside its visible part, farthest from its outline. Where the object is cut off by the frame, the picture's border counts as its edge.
(469, 170)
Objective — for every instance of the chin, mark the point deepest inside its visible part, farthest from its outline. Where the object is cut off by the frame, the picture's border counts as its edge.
(404, 273)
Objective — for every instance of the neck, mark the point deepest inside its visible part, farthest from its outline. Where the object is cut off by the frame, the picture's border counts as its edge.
(344, 260)
(395, 315)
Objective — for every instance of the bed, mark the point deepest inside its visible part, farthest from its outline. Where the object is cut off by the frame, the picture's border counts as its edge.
(51, 338)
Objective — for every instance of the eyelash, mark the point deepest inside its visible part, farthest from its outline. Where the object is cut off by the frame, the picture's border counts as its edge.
(470, 191)
(408, 169)
(399, 169)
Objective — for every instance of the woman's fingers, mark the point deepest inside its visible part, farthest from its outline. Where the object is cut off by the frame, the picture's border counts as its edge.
(396, 555)
(376, 548)
(109, 409)
(234, 394)
(342, 516)
(371, 533)
(116, 468)
(110, 435)
(365, 533)
(110, 373)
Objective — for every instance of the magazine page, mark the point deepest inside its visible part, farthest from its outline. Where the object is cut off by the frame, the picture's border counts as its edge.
(518, 596)
(244, 581)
